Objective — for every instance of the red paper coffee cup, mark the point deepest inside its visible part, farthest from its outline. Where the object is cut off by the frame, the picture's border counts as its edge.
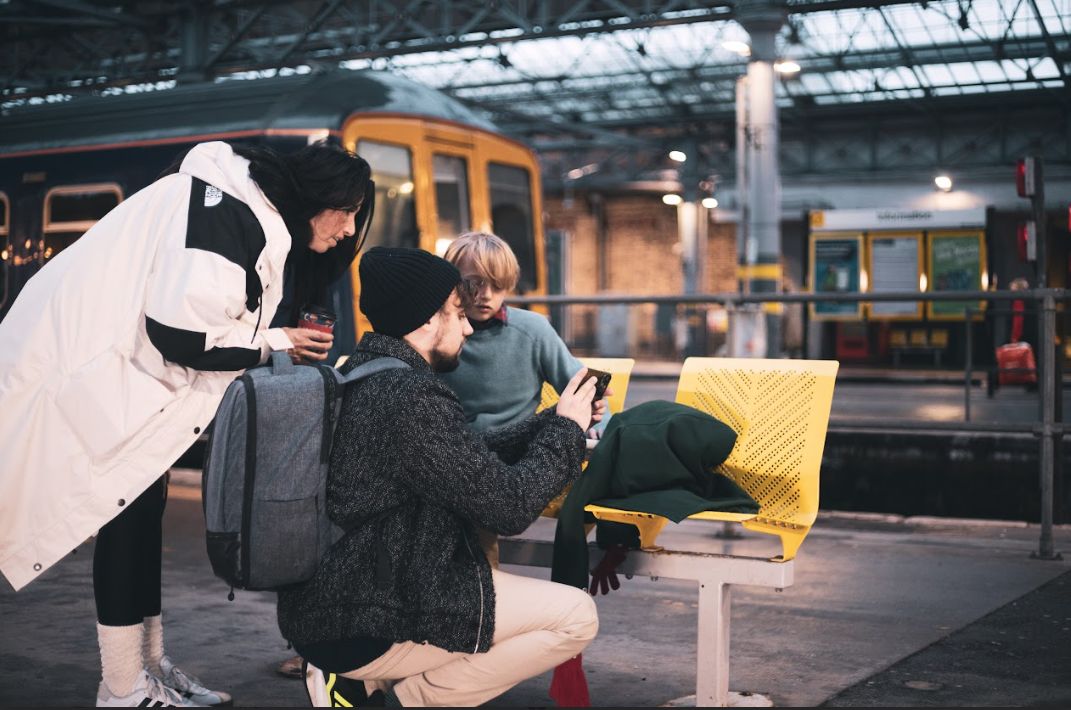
(317, 318)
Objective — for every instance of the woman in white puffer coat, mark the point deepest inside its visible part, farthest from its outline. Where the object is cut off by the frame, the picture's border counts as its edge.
(115, 356)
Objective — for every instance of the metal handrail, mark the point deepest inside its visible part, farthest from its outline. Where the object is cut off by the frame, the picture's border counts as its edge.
(1047, 429)
(1058, 294)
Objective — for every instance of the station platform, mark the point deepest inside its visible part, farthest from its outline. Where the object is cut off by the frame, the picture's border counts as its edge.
(848, 372)
(885, 611)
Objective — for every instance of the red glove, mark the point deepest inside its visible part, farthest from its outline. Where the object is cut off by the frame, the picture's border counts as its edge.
(604, 576)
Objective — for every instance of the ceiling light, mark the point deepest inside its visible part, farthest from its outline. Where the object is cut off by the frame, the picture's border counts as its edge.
(943, 183)
(672, 199)
(678, 155)
(786, 66)
(710, 203)
(737, 47)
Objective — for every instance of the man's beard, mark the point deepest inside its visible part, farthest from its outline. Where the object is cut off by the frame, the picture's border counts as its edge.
(445, 362)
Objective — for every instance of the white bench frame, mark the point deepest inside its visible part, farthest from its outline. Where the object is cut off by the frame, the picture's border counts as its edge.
(715, 575)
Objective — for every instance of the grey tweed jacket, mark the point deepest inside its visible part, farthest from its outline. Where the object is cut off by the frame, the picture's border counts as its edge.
(409, 483)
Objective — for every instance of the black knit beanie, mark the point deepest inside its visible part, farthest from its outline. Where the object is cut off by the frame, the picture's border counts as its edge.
(402, 288)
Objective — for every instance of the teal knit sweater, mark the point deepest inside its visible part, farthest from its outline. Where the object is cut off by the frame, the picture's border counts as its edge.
(503, 368)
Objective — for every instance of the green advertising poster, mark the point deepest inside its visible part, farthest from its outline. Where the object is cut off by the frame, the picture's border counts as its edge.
(836, 262)
(955, 265)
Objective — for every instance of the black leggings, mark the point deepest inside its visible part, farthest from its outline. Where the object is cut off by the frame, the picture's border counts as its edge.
(127, 560)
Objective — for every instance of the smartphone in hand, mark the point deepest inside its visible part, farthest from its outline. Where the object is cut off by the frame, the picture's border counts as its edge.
(602, 381)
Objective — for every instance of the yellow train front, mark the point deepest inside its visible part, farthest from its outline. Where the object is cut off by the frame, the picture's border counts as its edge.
(439, 168)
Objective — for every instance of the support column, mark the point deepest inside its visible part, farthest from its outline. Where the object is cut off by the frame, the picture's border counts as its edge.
(760, 270)
(712, 645)
(745, 253)
(194, 44)
(690, 235)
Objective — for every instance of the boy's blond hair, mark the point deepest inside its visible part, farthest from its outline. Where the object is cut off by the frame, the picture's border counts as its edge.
(491, 255)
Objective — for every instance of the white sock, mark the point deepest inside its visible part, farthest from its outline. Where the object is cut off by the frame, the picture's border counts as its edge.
(152, 648)
(120, 656)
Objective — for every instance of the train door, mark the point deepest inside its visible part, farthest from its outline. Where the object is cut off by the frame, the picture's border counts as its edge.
(452, 185)
(424, 184)
(512, 198)
(435, 180)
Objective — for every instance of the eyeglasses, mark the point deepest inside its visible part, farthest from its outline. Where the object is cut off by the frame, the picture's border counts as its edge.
(473, 286)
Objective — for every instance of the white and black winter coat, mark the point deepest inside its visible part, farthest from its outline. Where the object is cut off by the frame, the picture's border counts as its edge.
(115, 356)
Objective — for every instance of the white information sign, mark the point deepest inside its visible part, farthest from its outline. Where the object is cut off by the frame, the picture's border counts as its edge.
(836, 220)
(894, 266)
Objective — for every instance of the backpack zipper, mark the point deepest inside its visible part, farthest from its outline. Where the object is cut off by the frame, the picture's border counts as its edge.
(250, 479)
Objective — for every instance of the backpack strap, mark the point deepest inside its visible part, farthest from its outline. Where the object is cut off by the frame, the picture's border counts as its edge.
(372, 367)
(280, 362)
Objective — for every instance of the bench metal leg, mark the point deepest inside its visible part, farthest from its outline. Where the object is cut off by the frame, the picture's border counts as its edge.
(712, 651)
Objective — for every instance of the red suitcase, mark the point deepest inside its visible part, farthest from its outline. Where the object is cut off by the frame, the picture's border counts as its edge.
(1018, 357)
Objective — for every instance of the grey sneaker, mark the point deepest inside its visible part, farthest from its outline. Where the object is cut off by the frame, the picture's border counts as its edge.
(149, 692)
(189, 687)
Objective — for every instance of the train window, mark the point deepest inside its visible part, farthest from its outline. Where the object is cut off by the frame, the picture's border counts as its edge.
(71, 210)
(4, 219)
(450, 174)
(511, 216)
(394, 223)
(6, 257)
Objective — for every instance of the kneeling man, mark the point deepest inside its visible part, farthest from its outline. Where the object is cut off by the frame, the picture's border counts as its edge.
(404, 608)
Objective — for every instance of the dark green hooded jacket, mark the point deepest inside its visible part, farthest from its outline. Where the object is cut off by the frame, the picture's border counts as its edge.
(657, 457)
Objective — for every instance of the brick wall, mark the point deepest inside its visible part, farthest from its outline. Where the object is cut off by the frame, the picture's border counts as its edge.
(643, 257)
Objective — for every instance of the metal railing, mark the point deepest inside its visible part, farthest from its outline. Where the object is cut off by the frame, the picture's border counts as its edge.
(1048, 429)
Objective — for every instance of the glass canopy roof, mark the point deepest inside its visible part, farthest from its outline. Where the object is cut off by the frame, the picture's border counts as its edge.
(865, 54)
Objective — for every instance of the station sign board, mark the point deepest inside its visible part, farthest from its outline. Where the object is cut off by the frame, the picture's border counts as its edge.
(836, 267)
(895, 263)
(895, 219)
(956, 263)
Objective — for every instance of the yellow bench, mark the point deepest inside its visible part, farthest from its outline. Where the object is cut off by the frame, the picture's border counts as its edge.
(780, 412)
(918, 341)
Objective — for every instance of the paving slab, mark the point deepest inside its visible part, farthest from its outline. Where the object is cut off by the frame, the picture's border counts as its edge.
(872, 595)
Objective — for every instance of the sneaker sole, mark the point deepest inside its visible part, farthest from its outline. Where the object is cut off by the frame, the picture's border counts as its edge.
(316, 687)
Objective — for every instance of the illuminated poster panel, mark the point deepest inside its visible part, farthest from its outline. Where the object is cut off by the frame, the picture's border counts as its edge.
(895, 264)
(836, 267)
(956, 260)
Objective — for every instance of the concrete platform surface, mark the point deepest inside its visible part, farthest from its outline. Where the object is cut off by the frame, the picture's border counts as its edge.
(885, 611)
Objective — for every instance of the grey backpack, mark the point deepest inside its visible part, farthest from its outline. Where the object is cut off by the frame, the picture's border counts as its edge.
(265, 474)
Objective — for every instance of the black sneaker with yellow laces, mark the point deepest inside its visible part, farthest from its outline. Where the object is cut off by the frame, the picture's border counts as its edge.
(330, 690)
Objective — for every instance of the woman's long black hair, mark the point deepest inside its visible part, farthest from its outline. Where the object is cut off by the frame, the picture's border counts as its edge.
(301, 185)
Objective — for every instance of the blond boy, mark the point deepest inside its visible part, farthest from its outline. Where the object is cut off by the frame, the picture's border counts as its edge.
(511, 352)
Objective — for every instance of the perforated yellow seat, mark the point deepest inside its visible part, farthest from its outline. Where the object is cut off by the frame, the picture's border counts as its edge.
(620, 369)
(779, 410)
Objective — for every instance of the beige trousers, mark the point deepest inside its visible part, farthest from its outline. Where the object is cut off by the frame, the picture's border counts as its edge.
(538, 625)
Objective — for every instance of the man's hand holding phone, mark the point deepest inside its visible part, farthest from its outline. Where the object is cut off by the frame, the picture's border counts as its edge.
(576, 400)
(598, 404)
